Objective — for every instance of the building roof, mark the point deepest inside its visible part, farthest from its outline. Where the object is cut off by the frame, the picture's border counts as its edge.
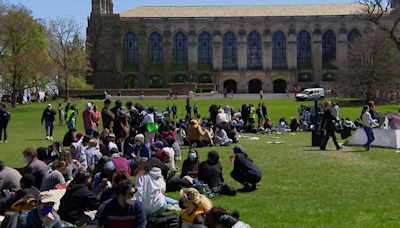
(243, 11)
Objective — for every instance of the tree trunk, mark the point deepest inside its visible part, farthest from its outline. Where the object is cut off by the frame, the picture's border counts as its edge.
(66, 87)
(14, 90)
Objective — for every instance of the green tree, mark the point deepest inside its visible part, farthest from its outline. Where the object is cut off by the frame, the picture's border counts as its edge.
(68, 50)
(22, 45)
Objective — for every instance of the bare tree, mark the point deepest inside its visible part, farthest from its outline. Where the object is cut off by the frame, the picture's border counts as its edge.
(380, 13)
(372, 65)
(66, 48)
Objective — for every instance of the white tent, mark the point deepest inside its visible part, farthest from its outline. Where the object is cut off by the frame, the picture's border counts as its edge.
(383, 138)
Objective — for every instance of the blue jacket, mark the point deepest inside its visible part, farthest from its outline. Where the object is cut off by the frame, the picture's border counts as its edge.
(32, 220)
(140, 151)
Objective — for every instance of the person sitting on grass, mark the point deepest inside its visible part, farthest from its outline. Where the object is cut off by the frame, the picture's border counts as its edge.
(77, 199)
(55, 176)
(140, 149)
(195, 206)
(102, 179)
(167, 132)
(122, 210)
(244, 170)
(69, 137)
(220, 137)
(108, 192)
(35, 166)
(150, 187)
(42, 216)
(171, 142)
(232, 221)
(93, 154)
(191, 165)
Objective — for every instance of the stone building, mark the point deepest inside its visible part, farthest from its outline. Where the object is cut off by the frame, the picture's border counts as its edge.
(240, 48)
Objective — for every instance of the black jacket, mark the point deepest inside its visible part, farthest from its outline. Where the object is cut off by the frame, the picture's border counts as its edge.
(4, 115)
(210, 173)
(75, 202)
(48, 115)
(329, 120)
(245, 165)
(68, 139)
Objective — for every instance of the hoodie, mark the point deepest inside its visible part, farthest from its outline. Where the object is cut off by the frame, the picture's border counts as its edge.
(194, 130)
(210, 172)
(241, 224)
(78, 153)
(76, 200)
(89, 117)
(150, 189)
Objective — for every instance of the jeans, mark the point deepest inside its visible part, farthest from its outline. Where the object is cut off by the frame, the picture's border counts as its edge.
(3, 127)
(370, 136)
(70, 124)
(51, 126)
(164, 207)
(174, 116)
(149, 138)
(89, 132)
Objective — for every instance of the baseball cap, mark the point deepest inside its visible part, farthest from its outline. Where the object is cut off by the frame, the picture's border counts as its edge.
(46, 197)
(49, 105)
(79, 135)
(238, 149)
(158, 144)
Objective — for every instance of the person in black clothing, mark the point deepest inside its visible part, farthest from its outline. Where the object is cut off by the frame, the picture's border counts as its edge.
(213, 113)
(69, 138)
(174, 112)
(264, 111)
(77, 199)
(48, 117)
(330, 128)
(210, 173)
(260, 115)
(4, 118)
(188, 108)
(244, 170)
(245, 114)
(134, 113)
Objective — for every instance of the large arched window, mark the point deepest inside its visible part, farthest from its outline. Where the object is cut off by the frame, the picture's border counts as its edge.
(354, 34)
(254, 48)
(328, 46)
(180, 48)
(279, 50)
(205, 48)
(155, 81)
(130, 48)
(230, 50)
(155, 48)
(303, 48)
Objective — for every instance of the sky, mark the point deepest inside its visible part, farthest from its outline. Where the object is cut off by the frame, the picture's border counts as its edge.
(80, 9)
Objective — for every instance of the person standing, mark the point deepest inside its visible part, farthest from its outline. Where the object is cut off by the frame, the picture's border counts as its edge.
(188, 108)
(195, 109)
(48, 117)
(168, 109)
(150, 127)
(5, 116)
(89, 119)
(97, 114)
(329, 124)
(261, 94)
(60, 114)
(174, 112)
(260, 115)
(71, 117)
(368, 122)
(107, 115)
(252, 115)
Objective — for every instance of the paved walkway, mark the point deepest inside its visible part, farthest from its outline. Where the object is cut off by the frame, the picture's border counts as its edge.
(206, 96)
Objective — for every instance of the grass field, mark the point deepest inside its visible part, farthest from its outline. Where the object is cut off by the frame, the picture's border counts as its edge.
(301, 186)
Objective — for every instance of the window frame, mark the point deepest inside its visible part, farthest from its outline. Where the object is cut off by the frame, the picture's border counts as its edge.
(202, 50)
(155, 37)
(130, 53)
(180, 52)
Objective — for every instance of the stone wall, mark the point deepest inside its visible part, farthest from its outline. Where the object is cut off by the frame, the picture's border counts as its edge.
(182, 88)
(124, 92)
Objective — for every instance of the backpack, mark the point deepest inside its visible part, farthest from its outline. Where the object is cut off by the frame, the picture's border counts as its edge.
(8, 115)
(167, 220)
(205, 190)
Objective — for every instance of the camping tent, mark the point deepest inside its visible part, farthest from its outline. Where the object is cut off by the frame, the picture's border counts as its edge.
(386, 135)
(383, 138)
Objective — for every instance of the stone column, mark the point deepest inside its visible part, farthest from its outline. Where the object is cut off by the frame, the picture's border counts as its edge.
(192, 56)
(217, 50)
(267, 50)
(342, 50)
(292, 50)
(242, 50)
(168, 57)
(316, 55)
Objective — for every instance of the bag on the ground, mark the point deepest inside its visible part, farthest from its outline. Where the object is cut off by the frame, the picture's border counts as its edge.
(204, 189)
(167, 220)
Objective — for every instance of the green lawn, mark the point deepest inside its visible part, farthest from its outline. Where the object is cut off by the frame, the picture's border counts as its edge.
(301, 186)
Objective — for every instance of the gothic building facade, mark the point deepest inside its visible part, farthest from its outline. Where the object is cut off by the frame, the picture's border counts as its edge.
(240, 48)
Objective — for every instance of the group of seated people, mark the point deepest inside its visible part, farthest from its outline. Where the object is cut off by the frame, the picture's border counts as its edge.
(95, 173)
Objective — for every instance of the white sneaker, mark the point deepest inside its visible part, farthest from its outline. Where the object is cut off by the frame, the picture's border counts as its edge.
(51, 138)
(47, 137)
(1, 141)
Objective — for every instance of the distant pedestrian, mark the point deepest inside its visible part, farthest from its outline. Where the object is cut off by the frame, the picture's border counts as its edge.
(368, 122)
(48, 117)
(5, 117)
(71, 117)
(168, 109)
(141, 95)
(264, 111)
(60, 114)
(261, 94)
(174, 112)
(188, 108)
(89, 119)
(195, 109)
(98, 115)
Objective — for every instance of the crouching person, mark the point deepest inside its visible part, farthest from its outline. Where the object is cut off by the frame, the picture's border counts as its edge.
(42, 216)
(244, 170)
